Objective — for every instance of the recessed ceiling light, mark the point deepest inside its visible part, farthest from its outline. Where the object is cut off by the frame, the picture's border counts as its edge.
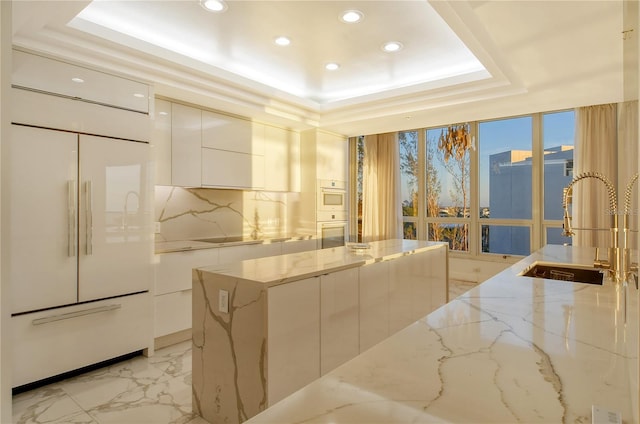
(351, 16)
(76, 79)
(163, 113)
(214, 5)
(392, 46)
(138, 95)
(331, 66)
(283, 41)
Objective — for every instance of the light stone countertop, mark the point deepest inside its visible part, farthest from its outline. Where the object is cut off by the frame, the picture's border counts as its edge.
(274, 270)
(186, 245)
(512, 349)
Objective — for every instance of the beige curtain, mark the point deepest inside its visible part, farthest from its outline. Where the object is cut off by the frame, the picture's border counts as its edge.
(595, 151)
(628, 163)
(381, 208)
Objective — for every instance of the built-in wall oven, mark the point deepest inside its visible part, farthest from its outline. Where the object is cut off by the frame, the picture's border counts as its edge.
(332, 234)
(331, 214)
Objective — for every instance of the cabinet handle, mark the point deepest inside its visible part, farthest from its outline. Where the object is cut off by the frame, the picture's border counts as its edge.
(89, 218)
(71, 220)
(75, 314)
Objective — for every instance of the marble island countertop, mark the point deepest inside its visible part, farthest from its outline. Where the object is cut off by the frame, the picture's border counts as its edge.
(513, 349)
(215, 242)
(275, 270)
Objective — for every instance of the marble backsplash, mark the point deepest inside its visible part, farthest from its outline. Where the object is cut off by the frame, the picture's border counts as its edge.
(192, 213)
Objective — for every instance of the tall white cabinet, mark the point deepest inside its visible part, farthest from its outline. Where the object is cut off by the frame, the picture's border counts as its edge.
(77, 194)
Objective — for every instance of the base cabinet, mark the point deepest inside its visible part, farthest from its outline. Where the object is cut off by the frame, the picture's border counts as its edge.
(173, 278)
(374, 304)
(293, 345)
(339, 320)
(60, 340)
(274, 340)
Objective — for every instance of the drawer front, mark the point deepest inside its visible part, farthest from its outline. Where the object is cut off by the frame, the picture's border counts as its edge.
(52, 342)
(173, 270)
(172, 313)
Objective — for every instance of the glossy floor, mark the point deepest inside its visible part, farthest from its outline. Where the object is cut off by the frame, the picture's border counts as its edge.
(140, 390)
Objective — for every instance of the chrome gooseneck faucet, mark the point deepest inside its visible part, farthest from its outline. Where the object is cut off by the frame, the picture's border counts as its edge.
(612, 264)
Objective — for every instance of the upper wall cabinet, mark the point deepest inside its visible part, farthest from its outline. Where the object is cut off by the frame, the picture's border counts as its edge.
(186, 146)
(199, 148)
(282, 159)
(50, 76)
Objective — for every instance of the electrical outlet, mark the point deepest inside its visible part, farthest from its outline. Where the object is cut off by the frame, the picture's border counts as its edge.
(157, 227)
(223, 301)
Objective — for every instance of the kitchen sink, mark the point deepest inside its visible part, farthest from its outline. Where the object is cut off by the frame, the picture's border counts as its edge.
(563, 272)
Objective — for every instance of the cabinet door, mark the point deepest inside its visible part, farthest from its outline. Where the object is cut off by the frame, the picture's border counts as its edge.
(409, 290)
(225, 132)
(174, 270)
(339, 329)
(439, 277)
(221, 168)
(172, 313)
(186, 145)
(293, 347)
(161, 141)
(374, 304)
(53, 76)
(42, 199)
(116, 235)
(282, 159)
(331, 157)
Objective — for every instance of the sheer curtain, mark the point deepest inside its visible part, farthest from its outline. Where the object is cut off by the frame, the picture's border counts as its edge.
(381, 208)
(628, 162)
(595, 151)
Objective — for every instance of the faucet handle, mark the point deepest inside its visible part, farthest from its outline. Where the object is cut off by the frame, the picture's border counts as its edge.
(600, 263)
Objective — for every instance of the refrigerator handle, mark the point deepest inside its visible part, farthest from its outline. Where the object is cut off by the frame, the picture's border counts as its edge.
(71, 220)
(89, 217)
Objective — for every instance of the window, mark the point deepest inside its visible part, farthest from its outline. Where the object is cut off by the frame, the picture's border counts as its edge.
(409, 177)
(478, 195)
(558, 131)
(447, 180)
(505, 185)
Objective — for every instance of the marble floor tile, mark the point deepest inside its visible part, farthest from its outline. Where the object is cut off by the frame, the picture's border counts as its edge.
(459, 287)
(139, 390)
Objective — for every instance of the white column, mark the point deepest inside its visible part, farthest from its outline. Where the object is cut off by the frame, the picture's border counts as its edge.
(5, 127)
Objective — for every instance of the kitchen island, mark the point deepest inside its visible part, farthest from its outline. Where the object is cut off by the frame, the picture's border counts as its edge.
(265, 327)
(513, 349)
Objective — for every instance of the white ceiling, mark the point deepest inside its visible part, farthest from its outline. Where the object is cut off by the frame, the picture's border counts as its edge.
(462, 60)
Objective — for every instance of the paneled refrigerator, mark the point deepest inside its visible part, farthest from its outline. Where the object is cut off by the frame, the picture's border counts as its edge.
(80, 244)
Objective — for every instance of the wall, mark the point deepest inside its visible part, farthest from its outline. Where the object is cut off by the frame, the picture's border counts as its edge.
(5, 84)
(191, 213)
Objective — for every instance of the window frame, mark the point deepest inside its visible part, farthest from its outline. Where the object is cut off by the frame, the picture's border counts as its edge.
(537, 224)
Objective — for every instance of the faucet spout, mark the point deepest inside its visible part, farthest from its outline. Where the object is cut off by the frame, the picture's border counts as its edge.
(612, 264)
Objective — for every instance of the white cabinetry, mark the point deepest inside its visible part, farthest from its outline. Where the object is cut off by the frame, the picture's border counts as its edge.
(293, 344)
(207, 149)
(161, 141)
(174, 288)
(339, 321)
(282, 159)
(50, 76)
(374, 304)
(52, 342)
(186, 146)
